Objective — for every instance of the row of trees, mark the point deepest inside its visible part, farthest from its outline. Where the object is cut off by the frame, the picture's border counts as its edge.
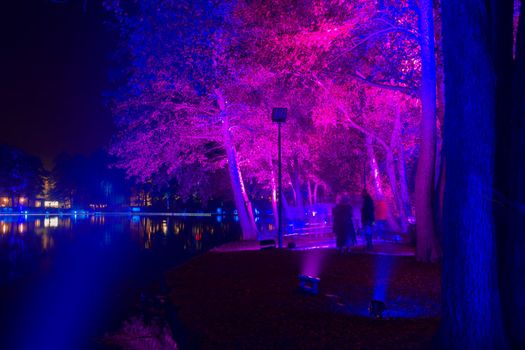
(201, 77)
(21, 175)
(77, 180)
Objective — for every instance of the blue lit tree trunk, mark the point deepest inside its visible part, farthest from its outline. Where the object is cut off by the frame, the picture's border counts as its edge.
(471, 299)
(512, 185)
(427, 249)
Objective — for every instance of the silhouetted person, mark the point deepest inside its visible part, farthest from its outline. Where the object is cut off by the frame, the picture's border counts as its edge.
(343, 225)
(367, 218)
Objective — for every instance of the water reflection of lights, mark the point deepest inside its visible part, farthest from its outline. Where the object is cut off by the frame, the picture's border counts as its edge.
(147, 244)
(5, 228)
(164, 227)
(21, 228)
(51, 222)
(178, 227)
(47, 242)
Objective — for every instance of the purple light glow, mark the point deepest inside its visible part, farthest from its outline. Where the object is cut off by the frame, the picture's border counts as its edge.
(312, 262)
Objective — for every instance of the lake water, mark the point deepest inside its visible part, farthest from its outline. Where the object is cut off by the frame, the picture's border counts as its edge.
(67, 280)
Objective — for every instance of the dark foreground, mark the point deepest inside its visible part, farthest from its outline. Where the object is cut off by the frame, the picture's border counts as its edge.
(250, 300)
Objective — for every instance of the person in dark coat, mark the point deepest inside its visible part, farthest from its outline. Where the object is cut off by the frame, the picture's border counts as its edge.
(343, 225)
(367, 218)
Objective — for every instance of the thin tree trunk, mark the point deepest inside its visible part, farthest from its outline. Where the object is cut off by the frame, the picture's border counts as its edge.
(247, 201)
(316, 188)
(391, 171)
(299, 203)
(292, 185)
(374, 169)
(426, 249)
(310, 194)
(403, 184)
(286, 210)
(378, 186)
(274, 200)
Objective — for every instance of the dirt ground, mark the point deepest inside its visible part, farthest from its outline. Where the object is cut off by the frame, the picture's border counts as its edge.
(251, 300)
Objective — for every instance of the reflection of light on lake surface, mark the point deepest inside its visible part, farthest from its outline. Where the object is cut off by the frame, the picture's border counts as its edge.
(51, 221)
(47, 242)
(83, 269)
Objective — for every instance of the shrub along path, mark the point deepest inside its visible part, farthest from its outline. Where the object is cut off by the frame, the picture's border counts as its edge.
(250, 300)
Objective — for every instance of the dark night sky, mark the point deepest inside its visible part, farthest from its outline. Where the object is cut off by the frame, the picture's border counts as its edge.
(53, 72)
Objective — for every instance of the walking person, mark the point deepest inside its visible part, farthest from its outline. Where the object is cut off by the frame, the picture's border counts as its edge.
(343, 225)
(367, 218)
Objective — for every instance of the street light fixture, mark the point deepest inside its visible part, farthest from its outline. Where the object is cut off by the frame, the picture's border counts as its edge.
(279, 116)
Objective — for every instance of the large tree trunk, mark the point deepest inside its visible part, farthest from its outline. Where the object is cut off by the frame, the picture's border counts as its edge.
(512, 176)
(242, 202)
(247, 227)
(471, 316)
(426, 249)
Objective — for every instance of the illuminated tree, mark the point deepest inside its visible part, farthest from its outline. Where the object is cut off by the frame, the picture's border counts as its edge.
(174, 112)
(202, 80)
(21, 175)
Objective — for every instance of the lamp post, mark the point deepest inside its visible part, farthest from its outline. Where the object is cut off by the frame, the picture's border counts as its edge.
(279, 116)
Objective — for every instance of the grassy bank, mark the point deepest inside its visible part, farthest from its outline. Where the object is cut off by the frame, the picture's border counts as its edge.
(250, 300)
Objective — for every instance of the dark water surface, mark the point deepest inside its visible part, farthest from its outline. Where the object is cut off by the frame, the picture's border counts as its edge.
(65, 281)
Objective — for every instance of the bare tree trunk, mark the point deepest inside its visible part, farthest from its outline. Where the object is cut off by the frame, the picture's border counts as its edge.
(426, 249)
(403, 184)
(512, 174)
(247, 227)
(390, 168)
(374, 169)
(292, 185)
(247, 201)
(378, 186)
(316, 187)
(274, 200)
(297, 185)
(241, 200)
(471, 299)
(391, 171)
(310, 194)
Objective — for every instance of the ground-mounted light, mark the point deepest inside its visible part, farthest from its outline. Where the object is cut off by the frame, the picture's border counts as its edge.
(376, 309)
(309, 284)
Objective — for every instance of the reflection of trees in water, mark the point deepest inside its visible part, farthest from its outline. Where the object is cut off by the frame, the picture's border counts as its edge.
(171, 234)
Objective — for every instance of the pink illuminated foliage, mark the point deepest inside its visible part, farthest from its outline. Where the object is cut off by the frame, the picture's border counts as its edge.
(347, 70)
